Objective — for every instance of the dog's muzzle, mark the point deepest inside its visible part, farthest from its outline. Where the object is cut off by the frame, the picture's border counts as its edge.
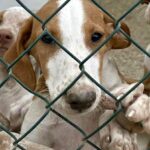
(81, 99)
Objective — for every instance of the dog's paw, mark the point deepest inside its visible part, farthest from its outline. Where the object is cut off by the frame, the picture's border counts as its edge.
(147, 14)
(138, 110)
(114, 137)
(137, 106)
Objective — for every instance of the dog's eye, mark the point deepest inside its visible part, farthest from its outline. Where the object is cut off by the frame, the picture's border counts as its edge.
(46, 38)
(96, 36)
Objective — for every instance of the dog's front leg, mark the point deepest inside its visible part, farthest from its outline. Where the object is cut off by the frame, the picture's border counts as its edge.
(137, 106)
(42, 133)
(18, 110)
(113, 136)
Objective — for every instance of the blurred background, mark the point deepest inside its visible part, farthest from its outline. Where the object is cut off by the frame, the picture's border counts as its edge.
(33, 4)
(130, 60)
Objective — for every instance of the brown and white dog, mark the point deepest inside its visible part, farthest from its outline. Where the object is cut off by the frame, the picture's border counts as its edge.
(14, 100)
(10, 22)
(80, 27)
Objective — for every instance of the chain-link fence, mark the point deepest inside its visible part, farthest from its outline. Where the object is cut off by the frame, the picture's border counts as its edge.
(50, 103)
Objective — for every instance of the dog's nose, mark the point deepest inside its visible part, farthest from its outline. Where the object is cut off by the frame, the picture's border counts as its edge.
(5, 37)
(82, 99)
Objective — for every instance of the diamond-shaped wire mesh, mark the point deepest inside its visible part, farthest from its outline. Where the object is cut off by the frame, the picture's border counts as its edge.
(49, 104)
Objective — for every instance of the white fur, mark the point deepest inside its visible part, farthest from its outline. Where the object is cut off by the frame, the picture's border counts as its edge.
(14, 100)
(53, 131)
(11, 21)
(13, 18)
(71, 16)
(108, 80)
(51, 127)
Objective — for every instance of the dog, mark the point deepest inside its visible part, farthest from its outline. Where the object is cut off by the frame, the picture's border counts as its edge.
(11, 20)
(80, 26)
(14, 99)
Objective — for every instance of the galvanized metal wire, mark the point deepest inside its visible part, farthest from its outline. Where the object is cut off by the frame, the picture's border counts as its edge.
(50, 103)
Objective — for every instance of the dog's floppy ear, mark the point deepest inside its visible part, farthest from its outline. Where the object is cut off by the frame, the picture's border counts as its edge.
(118, 41)
(23, 69)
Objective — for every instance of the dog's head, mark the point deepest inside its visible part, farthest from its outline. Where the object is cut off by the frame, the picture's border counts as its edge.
(10, 22)
(80, 27)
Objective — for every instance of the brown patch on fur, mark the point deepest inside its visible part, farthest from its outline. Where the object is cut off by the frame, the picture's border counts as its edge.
(1, 16)
(41, 86)
(31, 29)
(119, 41)
(94, 23)
(23, 68)
(97, 21)
(41, 51)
